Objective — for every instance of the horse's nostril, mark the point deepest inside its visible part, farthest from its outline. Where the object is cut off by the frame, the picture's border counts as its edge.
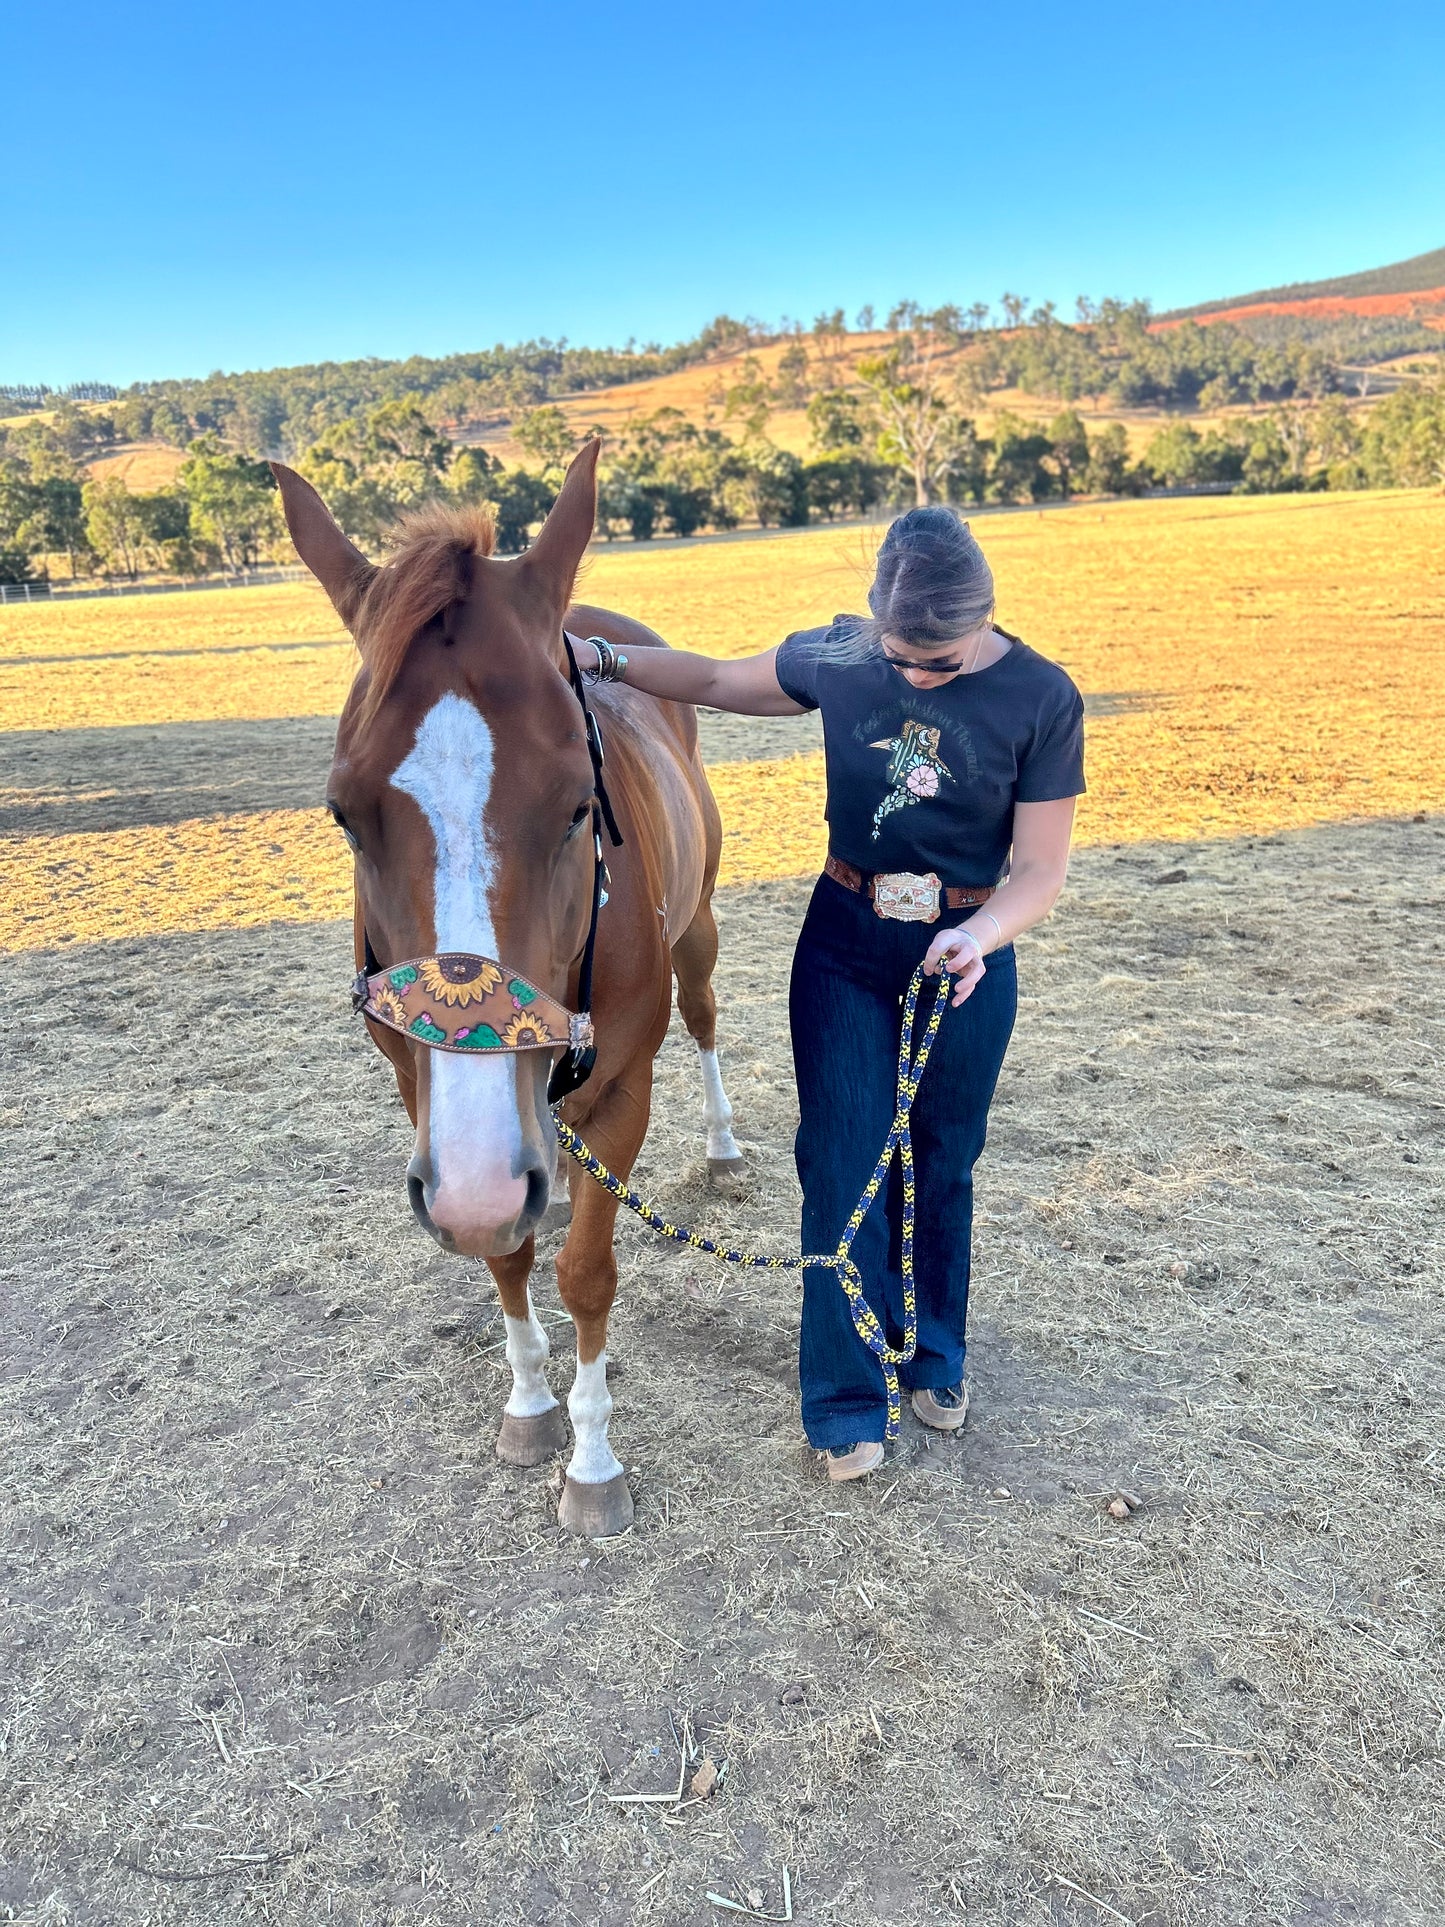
(416, 1195)
(539, 1193)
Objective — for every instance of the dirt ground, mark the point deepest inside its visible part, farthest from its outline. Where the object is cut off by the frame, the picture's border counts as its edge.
(285, 1643)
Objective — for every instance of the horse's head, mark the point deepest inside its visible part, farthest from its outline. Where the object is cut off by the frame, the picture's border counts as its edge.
(463, 784)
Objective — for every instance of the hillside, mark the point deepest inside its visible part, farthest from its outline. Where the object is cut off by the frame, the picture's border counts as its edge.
(1423, 276)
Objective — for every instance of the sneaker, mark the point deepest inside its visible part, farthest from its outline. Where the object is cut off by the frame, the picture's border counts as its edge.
(853, 1461)
(943, 1407)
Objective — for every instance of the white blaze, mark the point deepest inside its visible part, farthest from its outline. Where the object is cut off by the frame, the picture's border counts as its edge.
(475, 1133)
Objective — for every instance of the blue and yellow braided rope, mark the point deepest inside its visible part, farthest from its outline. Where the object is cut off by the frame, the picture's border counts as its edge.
(911, 1064)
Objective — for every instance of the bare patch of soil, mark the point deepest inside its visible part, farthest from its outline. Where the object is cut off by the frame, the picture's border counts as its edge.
(285, 1643)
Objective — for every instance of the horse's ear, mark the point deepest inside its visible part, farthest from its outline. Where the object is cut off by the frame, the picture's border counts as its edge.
(338, 565)
(562, 540)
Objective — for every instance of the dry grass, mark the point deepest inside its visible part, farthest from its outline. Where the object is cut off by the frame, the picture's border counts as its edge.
(142, 466)
(286, 1644)
(1254, 665)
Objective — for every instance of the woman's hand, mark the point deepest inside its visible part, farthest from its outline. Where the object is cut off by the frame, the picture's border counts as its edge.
(960, 953)
(586, 655)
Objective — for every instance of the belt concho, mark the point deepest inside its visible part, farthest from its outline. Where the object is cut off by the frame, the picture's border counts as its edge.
(458, 1002)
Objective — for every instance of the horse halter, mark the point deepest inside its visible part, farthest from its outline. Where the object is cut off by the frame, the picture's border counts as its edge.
(454, 1001)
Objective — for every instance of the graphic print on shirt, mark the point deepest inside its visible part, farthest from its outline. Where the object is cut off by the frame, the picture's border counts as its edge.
(914, 769)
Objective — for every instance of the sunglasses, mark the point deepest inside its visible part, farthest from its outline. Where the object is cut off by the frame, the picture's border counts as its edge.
(929, 668)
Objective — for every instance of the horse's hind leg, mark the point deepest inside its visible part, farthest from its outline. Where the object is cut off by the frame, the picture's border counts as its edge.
(533, 1428)
(694, 956)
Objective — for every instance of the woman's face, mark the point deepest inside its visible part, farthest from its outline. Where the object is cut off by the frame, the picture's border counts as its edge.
(931, 668)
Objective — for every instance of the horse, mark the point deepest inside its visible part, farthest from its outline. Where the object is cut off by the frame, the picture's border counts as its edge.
(465, 784)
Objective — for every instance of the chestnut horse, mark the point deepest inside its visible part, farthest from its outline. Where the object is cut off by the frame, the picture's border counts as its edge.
(464, 785)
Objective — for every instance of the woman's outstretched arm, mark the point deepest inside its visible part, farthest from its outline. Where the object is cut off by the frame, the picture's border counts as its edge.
(748, 686)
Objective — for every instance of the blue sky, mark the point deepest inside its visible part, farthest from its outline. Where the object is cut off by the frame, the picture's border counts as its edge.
(193, 188)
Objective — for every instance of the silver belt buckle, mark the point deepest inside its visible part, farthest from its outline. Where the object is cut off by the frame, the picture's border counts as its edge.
(904, 898)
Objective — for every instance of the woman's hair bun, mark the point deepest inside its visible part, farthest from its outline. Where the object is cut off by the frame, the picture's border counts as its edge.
(932, 582)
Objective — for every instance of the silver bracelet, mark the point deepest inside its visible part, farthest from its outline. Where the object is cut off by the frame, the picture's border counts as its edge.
(996, 924)
(611, 663)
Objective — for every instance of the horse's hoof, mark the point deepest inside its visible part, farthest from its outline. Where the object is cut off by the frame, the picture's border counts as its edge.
(595, 1511)
(727, 1174)
(530, 1441)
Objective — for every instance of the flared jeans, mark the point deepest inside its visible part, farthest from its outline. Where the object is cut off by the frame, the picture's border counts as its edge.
(850, 973)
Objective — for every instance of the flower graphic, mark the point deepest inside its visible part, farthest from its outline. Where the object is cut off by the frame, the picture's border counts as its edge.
(459, 979)
(914, 770)
(525, 1033)
(388, 1007)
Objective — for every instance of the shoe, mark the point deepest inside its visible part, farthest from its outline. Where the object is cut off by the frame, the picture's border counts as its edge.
(853, 1461)
(943, 1407)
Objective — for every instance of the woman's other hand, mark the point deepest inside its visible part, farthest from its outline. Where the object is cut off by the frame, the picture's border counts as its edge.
(961, 954)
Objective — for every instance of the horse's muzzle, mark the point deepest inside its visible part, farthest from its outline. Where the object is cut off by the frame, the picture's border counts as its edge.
(491, 1225)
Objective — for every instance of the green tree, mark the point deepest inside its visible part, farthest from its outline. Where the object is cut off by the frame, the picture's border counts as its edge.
(841, 485)
(775, 484)
(521, 500)
(233, 501)
(544, 434)
(1108, 469)
(916, 404)
(1403, 442)
(114, 525)
(1173, 455)
(1017, 470)
(1068, 458)
(473, 475)
(839, 421)
(791, 386)
(749, 399)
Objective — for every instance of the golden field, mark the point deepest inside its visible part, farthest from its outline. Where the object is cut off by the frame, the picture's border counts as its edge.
(1254, 664)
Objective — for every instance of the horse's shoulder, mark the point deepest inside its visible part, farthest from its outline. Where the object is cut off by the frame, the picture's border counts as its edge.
(625, 632)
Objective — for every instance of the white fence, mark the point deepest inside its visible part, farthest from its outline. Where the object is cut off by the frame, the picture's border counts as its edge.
(50, 592)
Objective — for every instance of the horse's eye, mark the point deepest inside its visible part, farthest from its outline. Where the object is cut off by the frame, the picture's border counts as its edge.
(340, 821)
(579, 817)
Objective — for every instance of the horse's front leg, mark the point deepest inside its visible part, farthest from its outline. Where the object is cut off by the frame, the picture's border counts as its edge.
(595, 1499)
(533, 1428)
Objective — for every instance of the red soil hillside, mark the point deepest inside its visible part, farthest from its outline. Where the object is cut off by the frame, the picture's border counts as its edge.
(1426, 306)
(1413, 288)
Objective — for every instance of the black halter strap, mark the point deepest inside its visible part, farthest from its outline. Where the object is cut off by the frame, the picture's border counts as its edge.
(574, 1067)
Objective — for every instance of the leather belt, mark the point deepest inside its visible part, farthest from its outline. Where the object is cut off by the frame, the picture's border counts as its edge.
(903, 896)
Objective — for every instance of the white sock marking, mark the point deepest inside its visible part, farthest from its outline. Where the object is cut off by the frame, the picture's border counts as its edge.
(527, 1354)
(476, 1133)
(717, 1111)
(590, 1407)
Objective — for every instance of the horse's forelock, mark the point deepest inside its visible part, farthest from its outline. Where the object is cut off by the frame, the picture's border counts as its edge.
(429, 568)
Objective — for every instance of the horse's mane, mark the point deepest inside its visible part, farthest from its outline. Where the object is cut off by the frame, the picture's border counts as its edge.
(429, 568)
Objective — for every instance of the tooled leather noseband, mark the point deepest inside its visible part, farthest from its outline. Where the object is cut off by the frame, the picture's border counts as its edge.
(454, 1001)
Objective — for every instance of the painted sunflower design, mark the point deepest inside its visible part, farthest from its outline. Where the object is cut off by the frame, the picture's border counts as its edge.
(389, 1007)
(459, 980)
(526, 1033)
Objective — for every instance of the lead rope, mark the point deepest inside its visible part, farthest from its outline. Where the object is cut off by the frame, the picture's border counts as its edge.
(911, 1065)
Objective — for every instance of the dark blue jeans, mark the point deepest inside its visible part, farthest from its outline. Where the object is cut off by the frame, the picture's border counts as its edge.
(850, 972)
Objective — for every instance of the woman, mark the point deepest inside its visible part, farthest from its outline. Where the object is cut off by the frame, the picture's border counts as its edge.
(954, 755)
